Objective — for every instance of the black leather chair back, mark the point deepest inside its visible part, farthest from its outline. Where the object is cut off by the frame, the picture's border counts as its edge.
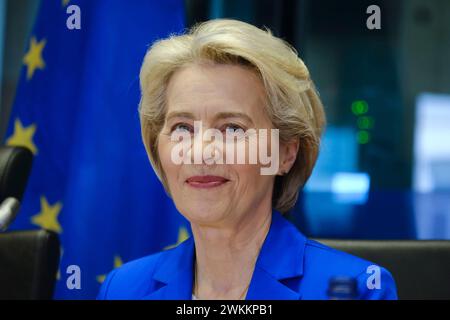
(28, 264)
(421, 268)
(15, 167)
(28, 259)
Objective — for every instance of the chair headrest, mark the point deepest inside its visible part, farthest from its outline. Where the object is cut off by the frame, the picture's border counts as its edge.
(15, 167)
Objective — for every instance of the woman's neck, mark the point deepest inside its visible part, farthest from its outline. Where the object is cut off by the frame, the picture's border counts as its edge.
(225, 257)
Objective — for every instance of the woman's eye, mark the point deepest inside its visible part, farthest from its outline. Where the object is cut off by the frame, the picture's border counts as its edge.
(182, 127)
(234, 128)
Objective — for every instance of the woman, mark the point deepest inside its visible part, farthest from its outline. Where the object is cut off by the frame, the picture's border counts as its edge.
(241, 81)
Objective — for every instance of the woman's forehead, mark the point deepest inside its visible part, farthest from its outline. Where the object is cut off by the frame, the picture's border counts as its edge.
(214, 82)
(214, 89)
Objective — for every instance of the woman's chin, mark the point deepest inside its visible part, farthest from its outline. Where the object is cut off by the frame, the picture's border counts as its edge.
(205, 214)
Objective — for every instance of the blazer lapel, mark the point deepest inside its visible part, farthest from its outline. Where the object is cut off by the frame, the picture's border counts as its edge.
(276, 276)
(280, 262)
(265, 287)
(174, 273)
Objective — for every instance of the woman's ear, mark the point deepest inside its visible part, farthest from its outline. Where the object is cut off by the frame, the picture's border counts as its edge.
(288, 155)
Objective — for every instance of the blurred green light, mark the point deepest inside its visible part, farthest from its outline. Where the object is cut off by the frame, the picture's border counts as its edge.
(359, 107)
(363, 137)
(365, 123)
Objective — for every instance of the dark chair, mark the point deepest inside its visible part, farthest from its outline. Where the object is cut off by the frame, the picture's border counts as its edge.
(28, 259)
(28, 264)
(15, 167)
(421, 268)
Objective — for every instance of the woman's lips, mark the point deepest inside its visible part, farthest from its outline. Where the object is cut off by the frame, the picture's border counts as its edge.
(204, 182)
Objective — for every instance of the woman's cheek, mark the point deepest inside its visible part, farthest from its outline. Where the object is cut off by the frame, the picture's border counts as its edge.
(164, 151)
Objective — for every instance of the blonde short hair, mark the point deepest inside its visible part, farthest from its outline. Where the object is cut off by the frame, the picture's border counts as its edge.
(293, 104)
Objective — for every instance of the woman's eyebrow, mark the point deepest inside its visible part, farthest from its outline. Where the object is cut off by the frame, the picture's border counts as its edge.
(224, 115)
(217, 116)
(179, 114)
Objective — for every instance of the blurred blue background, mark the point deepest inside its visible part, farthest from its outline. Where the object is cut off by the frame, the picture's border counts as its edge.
(384, 167)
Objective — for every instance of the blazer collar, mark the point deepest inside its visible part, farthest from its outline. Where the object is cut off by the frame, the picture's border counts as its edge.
(174, 273)
(281, 258)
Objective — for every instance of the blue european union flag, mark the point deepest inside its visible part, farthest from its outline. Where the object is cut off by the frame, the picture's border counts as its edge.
(76, 109)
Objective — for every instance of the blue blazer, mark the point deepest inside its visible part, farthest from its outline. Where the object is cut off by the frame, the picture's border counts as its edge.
(289, 266)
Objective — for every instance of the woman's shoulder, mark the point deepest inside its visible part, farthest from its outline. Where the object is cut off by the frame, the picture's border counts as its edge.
(132, 280)
(320, 252)
(322, 263)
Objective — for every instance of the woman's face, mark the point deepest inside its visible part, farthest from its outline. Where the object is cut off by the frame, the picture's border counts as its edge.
(223, 97)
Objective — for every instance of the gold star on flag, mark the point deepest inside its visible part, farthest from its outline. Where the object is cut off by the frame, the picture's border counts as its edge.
(33, 59)
(183, 234)
(117, 264)
(65, 2)
(48, 217)
(23, 136)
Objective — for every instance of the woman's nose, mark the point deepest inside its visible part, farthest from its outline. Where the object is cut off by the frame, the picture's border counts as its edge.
(207, 146)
